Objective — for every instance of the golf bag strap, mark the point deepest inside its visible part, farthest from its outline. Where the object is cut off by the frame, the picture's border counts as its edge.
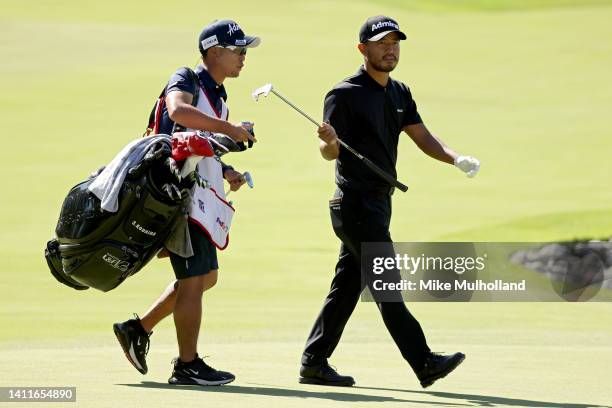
(156, 113)
(194, 102)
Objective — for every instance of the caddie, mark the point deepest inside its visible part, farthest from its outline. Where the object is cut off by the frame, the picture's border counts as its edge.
(223, 47)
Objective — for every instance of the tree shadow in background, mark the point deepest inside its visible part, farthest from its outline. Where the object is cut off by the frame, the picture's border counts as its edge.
(285, 392)
(491, 401)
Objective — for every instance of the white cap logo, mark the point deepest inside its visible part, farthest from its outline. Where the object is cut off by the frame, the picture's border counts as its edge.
(384, 24)
(232, 28)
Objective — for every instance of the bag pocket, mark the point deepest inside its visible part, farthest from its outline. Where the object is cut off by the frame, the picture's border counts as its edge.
(103, 266)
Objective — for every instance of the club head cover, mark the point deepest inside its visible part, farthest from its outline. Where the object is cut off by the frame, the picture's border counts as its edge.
(191, 145)
(159, 152)
(200, 146)
(223, 144)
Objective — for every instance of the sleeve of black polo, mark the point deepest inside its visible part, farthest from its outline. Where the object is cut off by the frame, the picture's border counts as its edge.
(181, 81)
(411, 114)
(335, 112)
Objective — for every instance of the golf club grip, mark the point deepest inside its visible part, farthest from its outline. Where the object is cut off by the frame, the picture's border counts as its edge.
(386, 176)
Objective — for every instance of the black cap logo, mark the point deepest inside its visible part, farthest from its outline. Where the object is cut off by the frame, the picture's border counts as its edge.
(377, 27)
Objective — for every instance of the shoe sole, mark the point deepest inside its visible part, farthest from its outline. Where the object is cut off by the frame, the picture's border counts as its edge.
(126, 349)
(316, 381)
(196, 381)
(432, 380)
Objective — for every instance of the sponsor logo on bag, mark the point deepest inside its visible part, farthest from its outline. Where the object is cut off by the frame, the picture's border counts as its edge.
(129, 251)
(143, 230)
(116, 262)
(201, 205)
(222, 225)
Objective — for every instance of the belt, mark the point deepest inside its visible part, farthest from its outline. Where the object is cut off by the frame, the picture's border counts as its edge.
(376, 190)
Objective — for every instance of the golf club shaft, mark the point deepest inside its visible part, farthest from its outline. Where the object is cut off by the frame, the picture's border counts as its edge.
(386, 176)
(317, 124)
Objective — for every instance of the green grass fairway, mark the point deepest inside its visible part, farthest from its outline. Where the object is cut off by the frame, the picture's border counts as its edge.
(524, 85)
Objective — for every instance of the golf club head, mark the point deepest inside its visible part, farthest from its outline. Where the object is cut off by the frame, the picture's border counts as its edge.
(248, 178)
(264, 90)
(223, 144)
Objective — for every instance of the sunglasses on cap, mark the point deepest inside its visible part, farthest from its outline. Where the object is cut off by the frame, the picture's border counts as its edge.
(236, 50)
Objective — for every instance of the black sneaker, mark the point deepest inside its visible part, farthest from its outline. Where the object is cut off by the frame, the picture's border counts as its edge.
(438, 366)
(197, 372)
(134, 341)
(324, 374)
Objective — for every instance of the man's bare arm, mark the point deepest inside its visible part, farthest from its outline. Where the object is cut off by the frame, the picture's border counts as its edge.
(436, 148)
(430, 144)
(181, 111)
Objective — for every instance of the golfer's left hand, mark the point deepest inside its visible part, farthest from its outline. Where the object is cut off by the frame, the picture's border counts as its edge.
(234, 178)
(468, 164)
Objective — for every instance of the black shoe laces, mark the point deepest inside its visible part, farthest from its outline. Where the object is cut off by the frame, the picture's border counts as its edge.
(146, 336)
(328, 367)
(204, 365)
(432, 356)
(198, 361)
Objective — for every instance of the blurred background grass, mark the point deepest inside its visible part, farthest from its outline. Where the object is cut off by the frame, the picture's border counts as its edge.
(522, 85)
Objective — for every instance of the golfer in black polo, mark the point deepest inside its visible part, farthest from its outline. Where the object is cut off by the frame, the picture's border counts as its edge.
(368, 111)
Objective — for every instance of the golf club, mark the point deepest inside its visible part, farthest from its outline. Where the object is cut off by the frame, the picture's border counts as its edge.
(265, 91)
(249, 181)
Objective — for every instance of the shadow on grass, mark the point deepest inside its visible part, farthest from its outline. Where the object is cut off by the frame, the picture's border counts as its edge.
(491, 401)
(287, 392)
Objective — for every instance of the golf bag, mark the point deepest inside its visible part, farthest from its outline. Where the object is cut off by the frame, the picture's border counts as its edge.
(100, 249)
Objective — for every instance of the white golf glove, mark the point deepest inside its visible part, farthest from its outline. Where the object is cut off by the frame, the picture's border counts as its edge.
(467, 164)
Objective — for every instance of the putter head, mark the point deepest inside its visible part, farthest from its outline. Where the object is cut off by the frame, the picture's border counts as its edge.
(264, 90)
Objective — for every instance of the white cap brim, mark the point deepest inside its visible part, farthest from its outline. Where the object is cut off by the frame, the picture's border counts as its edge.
(381, 35)
(252, 42)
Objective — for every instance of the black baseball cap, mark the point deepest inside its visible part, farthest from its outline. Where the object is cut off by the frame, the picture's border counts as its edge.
(377, 27)
(225, 33)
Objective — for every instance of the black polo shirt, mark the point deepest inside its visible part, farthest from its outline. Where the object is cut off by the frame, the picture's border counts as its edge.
(181, 81)
(369, 118)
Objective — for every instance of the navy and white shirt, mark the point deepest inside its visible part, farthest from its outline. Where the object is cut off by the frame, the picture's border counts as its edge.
(181, 81)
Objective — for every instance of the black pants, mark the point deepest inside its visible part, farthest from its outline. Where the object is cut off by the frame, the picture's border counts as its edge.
(360, 217)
